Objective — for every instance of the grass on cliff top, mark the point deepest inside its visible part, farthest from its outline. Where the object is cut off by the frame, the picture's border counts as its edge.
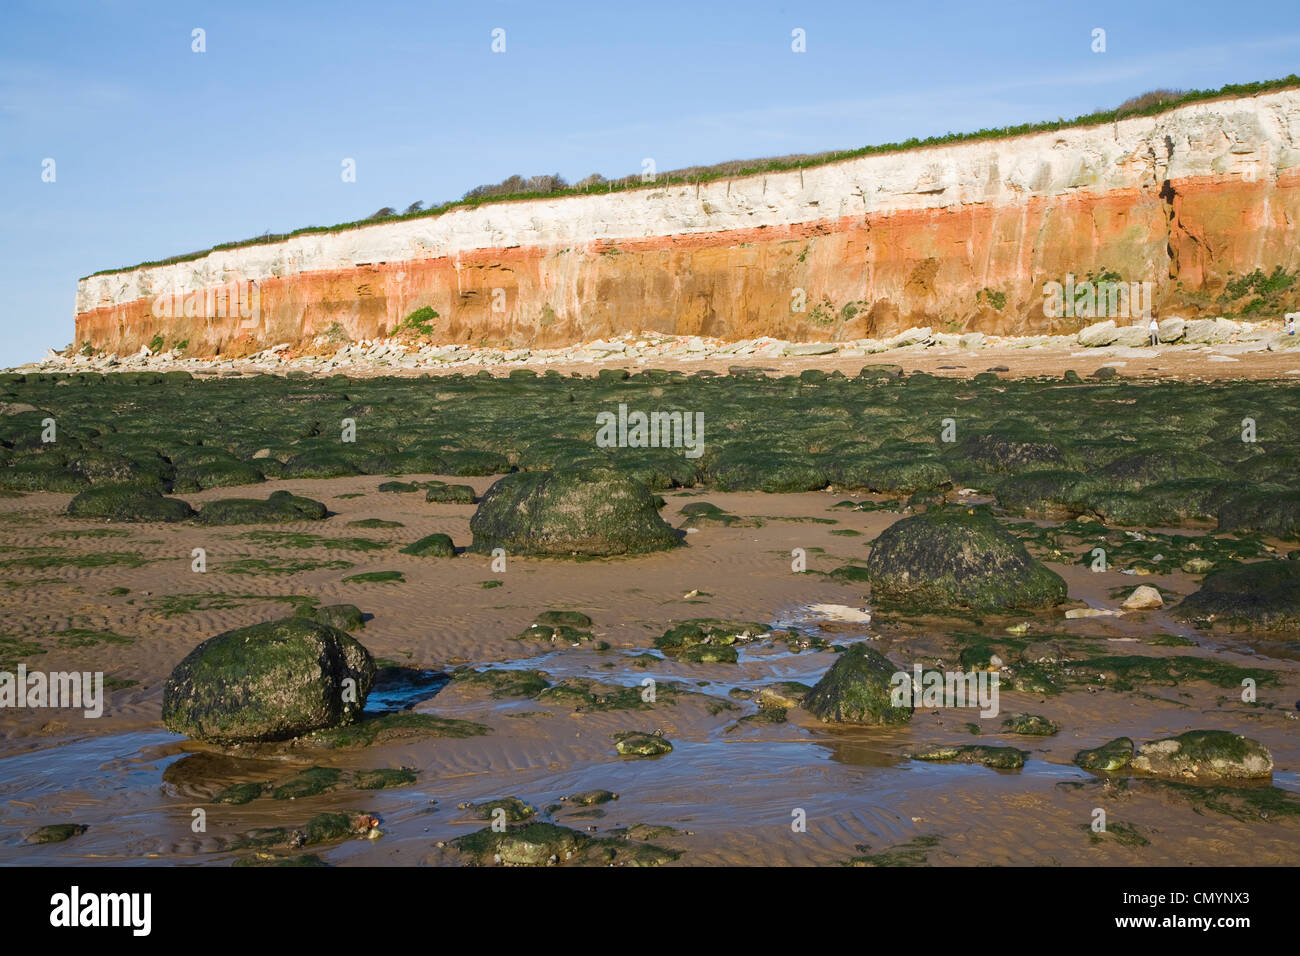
(735, 169)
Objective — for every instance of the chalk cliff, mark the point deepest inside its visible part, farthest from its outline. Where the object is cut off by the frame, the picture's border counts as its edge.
(958, 237)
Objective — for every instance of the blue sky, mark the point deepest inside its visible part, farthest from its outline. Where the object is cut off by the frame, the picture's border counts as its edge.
(161, 151)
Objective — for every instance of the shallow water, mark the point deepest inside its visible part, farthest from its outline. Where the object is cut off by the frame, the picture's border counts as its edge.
(729, 796)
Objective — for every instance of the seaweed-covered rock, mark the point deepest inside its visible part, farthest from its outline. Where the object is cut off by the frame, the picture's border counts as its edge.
(128, 503)
(1260, 594)
(218, 474)
(1142, 468)
(857, 689)
(451, 494)
(268, 682)
(1049, 491)
(345, 617)
(709, 654)
(590, 798)
(56, 832)
(635, 744)
(281, 507)
(690, 639)
(510, 809)
(955, 557)
(998, 758)
(534, 844)
(471, 462)
(761, 468)
(1008, 454)
(40, 476)
(1214, 754)
(432, 546)
(320, 464)
(1113, 755)
(563, 619)
(591, 510)
(1030, 725)
(543, 844)
(1270, 509)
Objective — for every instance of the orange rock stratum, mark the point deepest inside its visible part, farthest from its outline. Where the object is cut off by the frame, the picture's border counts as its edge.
(958, 237)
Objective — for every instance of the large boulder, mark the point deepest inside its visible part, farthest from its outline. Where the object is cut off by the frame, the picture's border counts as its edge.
(1172, 329)
(128, 503)
(1098, 334)
(268, 682)
(955, 557)
(1132, 336)
(585, 509)
(857, 689)
(1209, 331)
(1204, 754)
(1263, 595)
(281, 507)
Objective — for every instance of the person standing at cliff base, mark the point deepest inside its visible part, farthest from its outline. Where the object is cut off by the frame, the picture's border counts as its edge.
(1154, 329)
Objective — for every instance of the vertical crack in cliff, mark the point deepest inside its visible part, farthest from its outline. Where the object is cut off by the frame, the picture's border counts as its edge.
(1167, 196)
(1176, 228)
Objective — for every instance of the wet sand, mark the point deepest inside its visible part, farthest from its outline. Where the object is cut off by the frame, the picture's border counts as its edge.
(726, 794)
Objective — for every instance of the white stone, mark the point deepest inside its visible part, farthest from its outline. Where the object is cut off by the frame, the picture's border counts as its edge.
(1143, 598)
(1098, 334)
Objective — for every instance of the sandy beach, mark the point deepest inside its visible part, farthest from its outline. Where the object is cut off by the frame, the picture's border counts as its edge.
(728, 792)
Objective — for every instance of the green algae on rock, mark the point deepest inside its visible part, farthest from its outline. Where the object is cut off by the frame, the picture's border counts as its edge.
(451, 494)
(1259, 594)
(322, 828)
(954, 557)
(1209, 754)
(56, 832)
(279, 508)
(432, 546)
(1112, 755)
(636, 744)
(709, 654)
(857, 689)
(128, 503)
(238, 794)
(998, 758)
(912, 853)
(271, 860)
(375, 577)
(708, 638)
(383, 778)
(268, 682)
(563, 618)
(510, 809)
(545, 844)
(583, 510)
(345, 617)
(507, 682)
(1030, 725)
(586, 695)
(383, 728)
(590, 798)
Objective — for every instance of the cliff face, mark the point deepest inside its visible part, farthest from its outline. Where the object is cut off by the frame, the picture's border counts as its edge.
(956, 237)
